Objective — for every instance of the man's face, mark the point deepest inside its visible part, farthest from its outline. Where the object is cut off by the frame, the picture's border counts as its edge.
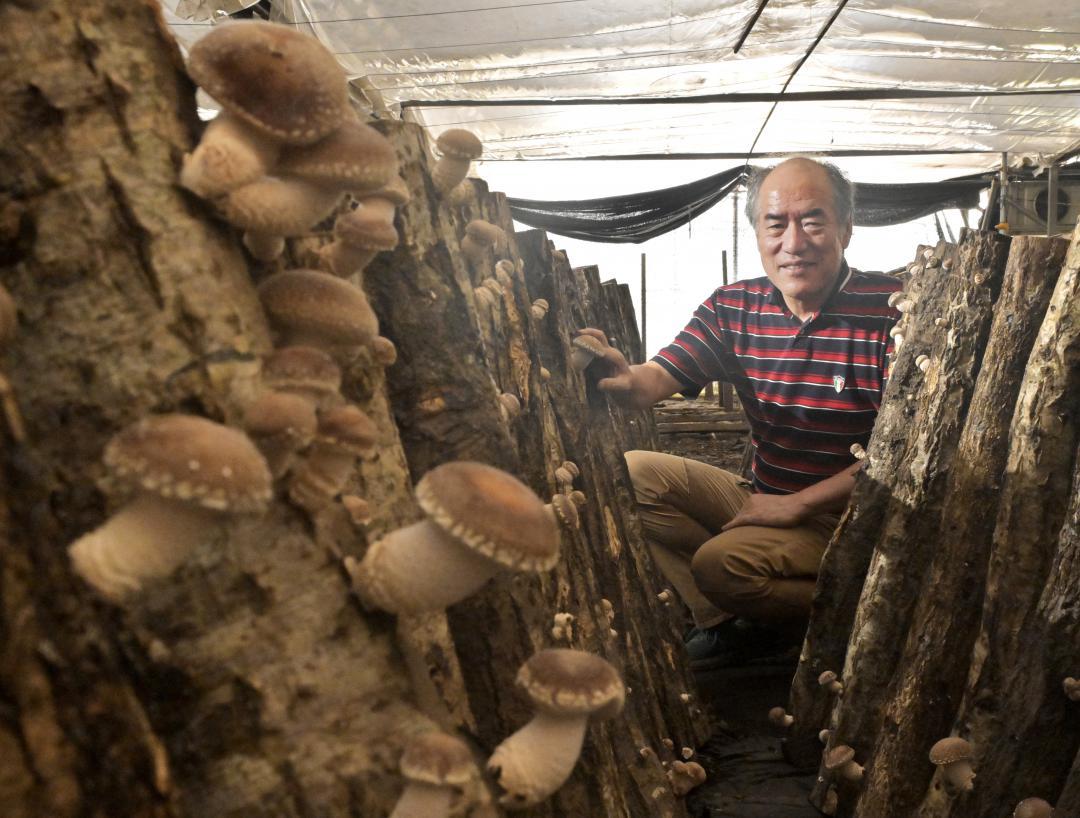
(798, 235)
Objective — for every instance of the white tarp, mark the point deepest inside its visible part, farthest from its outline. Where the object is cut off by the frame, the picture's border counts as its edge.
(534, 55)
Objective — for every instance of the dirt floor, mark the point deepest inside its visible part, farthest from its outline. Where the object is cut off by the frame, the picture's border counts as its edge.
(748, 777)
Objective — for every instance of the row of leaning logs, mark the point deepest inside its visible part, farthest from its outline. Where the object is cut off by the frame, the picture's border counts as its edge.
(247, 681)
(959, 653)
(483, 375)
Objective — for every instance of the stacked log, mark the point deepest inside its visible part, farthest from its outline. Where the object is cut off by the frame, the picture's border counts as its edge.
(947, 596)
(251, 682)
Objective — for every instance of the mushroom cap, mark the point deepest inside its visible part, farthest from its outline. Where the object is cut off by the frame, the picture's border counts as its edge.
(838, 756)
(951, 749)
(566, 510)
(321, 304)
(459, 144)
(572, 467)
(366, 230)
(394, 191)
(542, 303)
(1033, 808)
(283, 83)
(190, 458)
(300, 367)
(589, 344)
(354, 157)
(826, 677)
(491, 512)
(567, 682)
(777, 714)
(280, 413)
(347, 428)
(439, 759)
(483, 232)
(285, 207)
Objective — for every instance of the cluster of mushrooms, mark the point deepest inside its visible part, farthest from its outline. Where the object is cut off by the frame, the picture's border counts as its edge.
(279, 159)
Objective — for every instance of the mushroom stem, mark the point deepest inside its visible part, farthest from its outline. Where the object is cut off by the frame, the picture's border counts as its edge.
(230, 154)
(147, 538)
(344, 259)
(420, 800)
(264, 246)
(535, 761)
(420, 567)
(449, 172)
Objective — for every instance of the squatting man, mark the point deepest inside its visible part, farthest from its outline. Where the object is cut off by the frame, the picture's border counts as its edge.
(806, 347)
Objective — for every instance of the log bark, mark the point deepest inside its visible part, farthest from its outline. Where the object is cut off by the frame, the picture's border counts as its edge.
(1024, 731)
(932, 668)
(248, 683)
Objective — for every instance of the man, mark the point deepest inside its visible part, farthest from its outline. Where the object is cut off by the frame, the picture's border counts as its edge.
(806, 348)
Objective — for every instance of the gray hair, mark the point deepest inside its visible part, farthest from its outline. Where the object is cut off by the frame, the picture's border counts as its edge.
(843, 190)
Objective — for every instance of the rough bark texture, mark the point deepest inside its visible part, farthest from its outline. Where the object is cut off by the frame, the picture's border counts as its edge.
(250, 682)
(933, 665)
(1024, 731)
(457, 352)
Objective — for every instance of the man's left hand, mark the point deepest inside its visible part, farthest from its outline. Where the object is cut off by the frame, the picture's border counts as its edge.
(773, 510)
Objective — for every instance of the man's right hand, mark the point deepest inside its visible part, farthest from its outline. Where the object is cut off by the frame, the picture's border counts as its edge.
(637, 386)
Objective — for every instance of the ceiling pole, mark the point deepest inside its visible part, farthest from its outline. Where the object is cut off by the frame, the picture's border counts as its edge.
(749, 26)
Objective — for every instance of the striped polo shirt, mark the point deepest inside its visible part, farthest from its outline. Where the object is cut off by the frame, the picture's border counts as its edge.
(809, 390)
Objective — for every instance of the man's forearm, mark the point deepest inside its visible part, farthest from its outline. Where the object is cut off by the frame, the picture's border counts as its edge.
(830, 495)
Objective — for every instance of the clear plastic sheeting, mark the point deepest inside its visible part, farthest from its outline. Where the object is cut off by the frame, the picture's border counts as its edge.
(575, 78)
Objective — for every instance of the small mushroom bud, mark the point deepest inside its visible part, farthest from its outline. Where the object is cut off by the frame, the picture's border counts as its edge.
(384, 350)
(480, 236)
(344, 433)
(563, 626)
(458, 148)
(578, 497)
(979, 278)
(566, 686)
(684, 698)
(685, 776)
(358, 508)
(916, 269)
(647, 752)
(923, 362)
(1072, 688)
(493, 284)
(504, 273)
(280, 424)
(904, 305)
(1033, 808)
(664, 596)
(545, 374)
(303, 371)
(954, 755)
(823, 736)
(509, 405)
(831, 802)
(484, 296)
(229, 154)
(830, 682)
(564, 511)
(933, 261)
(436, 767)
(564, 478)
(687, 753)
(668, 743)
(480, 519)
(840, 761)
(896, 297)
(187, 473)
(584, 350)
(858, 452)
(780, 717)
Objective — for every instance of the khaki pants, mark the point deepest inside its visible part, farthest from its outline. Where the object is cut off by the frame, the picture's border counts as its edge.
(757, 572)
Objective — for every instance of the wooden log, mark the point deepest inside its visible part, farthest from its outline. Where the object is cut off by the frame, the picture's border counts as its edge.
(933, 666)
(1024, 731)
(847, 558)
(605, 559)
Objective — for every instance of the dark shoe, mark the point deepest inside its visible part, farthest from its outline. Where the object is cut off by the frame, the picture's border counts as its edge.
(735, 642)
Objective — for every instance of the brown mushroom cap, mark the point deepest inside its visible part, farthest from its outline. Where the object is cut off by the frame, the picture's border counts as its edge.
(285, 207)
(951, 749)
(588, 344)
(483, 232)
(1033, 808)
(838, 756)
(280, 413)
(491, 512)
(318, 304)
(366, 230)
(281, 82)
(348, 429)
(301, 368)
(394, 191)
(566, 510)
(439, 759)
(354, 157)
(570, 682)
(191, 458)
(459, 144)
(827, 677)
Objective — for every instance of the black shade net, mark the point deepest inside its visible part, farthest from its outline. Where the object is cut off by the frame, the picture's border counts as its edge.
(638, 217)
